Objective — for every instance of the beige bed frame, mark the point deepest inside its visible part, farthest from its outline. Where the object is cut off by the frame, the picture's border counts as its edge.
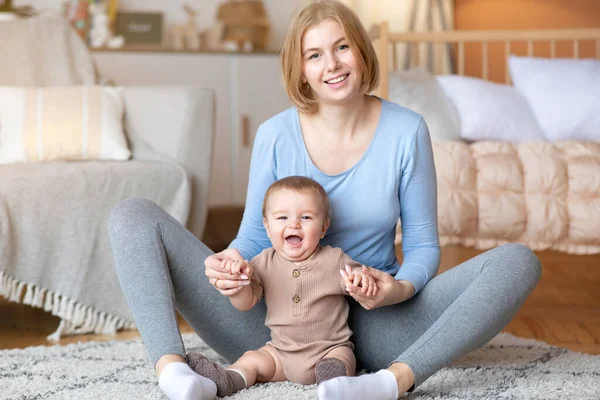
(386, 45)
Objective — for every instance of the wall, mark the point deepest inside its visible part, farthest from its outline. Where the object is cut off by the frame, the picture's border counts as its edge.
(396, 12)
(523, 14)
(279, 11)
(371, 12)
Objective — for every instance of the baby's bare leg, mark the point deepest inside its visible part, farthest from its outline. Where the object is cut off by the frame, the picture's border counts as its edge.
(262, 365)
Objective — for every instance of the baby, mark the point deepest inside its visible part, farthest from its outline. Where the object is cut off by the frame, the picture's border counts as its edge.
(304, 294)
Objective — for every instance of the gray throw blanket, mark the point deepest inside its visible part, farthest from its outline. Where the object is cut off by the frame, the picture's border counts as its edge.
(54, 248)
(43, 51)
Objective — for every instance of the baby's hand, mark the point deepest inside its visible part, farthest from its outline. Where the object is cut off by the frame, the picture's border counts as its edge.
(237, 267)
(359, 281)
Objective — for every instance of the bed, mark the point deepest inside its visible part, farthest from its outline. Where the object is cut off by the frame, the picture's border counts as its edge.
(517, 152)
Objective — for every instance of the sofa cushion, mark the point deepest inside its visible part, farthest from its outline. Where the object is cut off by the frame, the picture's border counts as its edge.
(61, 123)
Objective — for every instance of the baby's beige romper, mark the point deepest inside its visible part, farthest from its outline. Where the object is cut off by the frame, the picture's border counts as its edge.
(306, 309)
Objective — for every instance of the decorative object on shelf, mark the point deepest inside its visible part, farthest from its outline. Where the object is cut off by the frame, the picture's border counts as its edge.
(8, 12)
(77, 13)
(185, 35)
(99, 26)
(115, 42)
(6, 6)
(248, 46)
(234, 46)
(246, 23)
(111, 9)
(140, 29)
(212, 38)
(231, 46)
(101, 33)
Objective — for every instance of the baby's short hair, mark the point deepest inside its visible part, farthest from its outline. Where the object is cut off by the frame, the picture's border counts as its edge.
(299, 184)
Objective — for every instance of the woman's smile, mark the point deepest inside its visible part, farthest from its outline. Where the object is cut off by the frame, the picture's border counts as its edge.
(338, 79)
(340, 82)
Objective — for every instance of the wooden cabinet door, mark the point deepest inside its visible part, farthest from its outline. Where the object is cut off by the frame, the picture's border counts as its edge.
(258, 88)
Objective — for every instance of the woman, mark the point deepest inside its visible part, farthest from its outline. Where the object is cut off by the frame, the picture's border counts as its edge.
(375, 161)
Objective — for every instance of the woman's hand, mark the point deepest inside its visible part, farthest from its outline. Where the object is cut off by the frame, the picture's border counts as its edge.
(365, 283)
(390, 290)
(219, 275)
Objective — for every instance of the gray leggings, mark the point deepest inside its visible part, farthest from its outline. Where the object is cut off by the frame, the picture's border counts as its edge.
(160, 266)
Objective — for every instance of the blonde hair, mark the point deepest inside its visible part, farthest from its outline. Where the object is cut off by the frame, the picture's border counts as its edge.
(298, 184)
(291, 54)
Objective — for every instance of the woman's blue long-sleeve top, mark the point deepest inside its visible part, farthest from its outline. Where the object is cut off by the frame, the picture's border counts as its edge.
(394, 178)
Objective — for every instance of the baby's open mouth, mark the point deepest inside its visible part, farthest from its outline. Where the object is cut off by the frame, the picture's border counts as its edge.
(293, 239)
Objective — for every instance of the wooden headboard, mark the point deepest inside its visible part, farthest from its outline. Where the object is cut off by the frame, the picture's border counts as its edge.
(386, 45)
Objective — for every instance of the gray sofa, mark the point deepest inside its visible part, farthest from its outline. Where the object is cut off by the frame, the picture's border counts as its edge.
(179, 124)
(54, 249)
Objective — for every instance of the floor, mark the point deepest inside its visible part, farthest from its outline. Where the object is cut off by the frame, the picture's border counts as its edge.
(563, 310)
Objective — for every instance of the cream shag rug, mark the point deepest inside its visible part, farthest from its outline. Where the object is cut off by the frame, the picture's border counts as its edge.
(506, 368)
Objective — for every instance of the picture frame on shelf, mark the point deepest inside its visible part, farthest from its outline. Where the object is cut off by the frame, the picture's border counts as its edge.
(140, 29)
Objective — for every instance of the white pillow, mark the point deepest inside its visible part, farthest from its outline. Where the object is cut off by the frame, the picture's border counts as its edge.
(564, 95)
(490, 111)
(418, 91)
(61, 123)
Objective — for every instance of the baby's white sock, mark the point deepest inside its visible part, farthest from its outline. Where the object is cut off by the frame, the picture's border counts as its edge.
(179, 382)
(379, 386)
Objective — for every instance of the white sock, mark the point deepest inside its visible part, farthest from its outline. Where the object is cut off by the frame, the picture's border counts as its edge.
(379, 386)
(179, 382)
